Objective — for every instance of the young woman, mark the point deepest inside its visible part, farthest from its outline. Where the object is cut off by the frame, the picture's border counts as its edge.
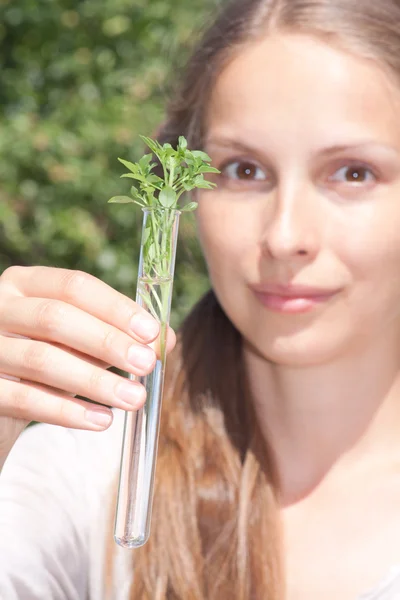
(278, 474)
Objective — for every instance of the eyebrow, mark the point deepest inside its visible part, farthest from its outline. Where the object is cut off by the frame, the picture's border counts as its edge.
(226, 142)
(361, 145)
(231, 144)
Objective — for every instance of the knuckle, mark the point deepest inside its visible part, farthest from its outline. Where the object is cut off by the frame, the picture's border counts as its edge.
(36, 358)
(21, 401)
(97, 382)
(74, 284)
(63, 412)
(124, 310)
(110, 341)
(49, 316)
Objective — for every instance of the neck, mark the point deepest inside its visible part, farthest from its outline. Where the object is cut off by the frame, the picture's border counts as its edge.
(327, 420)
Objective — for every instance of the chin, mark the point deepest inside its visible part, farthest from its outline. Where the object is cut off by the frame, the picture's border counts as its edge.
(298, 351)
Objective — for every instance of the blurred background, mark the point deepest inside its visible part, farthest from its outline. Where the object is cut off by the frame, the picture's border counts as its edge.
(79, 81)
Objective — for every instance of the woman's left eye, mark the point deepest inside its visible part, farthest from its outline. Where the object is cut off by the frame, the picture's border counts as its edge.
(355, 174)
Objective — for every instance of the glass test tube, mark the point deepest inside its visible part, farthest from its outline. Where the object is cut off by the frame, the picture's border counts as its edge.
(141, 428)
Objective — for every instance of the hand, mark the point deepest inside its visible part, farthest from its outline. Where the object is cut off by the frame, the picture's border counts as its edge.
(60, 330)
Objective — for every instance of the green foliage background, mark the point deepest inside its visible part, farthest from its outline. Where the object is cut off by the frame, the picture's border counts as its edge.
(79, 80)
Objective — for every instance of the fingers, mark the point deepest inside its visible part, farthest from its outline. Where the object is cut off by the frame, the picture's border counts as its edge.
(65, 324)
(43, 363)
(89, 294)
(90, 359)
(65, 329)
(33, 402)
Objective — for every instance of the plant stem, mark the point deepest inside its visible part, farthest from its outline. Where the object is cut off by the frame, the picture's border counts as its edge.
(155, 237)
(156, 297)
(171, 177)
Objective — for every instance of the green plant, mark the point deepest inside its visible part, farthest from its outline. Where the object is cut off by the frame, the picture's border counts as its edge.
(183, 170)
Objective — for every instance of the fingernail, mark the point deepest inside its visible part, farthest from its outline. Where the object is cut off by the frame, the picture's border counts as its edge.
(99, 417)
(144, 326)
(141, 357)
(130, 393)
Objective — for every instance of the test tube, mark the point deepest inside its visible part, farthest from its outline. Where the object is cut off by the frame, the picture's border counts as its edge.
(141, 428)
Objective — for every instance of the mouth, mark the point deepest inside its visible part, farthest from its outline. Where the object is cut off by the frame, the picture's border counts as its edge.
(290, 299)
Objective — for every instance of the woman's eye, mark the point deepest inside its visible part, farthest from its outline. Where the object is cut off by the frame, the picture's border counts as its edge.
(243, 171)
(357, 174)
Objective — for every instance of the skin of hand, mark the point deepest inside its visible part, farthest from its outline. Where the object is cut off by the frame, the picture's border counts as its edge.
(60, 331)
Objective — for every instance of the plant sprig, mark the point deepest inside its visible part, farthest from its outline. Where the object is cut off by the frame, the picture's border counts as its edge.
(183, 171)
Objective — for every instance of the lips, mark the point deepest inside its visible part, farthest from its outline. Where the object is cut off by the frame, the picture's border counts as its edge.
(291, 298)
(292, 291)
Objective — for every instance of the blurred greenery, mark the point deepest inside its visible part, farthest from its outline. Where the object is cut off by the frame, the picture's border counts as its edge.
(79, 80)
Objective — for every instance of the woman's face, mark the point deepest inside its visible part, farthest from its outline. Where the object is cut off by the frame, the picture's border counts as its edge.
(308, 141)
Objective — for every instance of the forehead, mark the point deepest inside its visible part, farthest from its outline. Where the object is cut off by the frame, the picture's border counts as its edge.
(295, 83)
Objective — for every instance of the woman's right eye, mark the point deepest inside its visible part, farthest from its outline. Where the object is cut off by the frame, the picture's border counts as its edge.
(243, 171)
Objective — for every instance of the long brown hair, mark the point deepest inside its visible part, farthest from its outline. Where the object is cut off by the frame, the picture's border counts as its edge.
(215, 529)
(209, 526)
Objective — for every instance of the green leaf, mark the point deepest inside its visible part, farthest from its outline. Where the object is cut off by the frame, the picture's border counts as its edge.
(154, 146)
(167, 197)
(138, 196)
(129, 165)
(205, 185)
(189, 207)
(202, 155)
(208, 169)
(121, 200)
(145, 161)
(182, 142)
(188, 186)
(154, 179)
(133, 176)
(190, 159)
(172, 160)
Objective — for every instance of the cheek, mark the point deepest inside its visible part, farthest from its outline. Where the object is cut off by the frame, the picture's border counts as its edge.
(373, 238)
(228, 236)
(372, 257)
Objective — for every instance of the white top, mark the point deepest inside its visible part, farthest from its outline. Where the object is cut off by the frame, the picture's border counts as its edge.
(55, 518)
(55, 515)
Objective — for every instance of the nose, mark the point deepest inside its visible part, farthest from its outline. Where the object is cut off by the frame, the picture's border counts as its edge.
(293, 225)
